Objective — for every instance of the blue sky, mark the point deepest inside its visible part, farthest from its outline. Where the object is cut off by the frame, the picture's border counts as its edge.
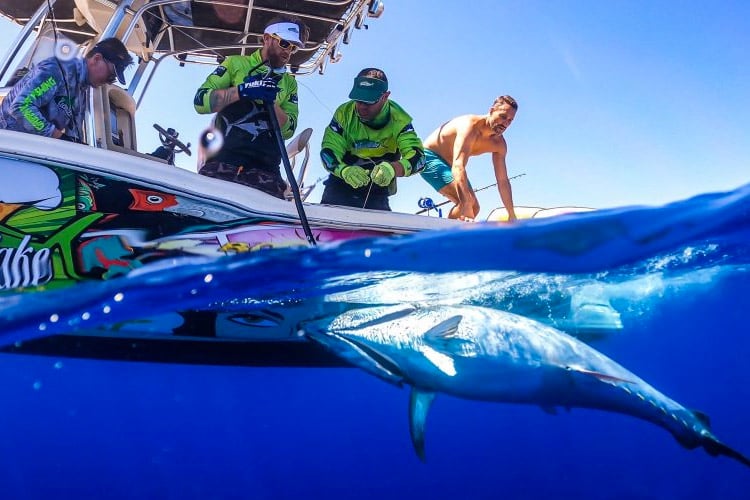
(621, 102)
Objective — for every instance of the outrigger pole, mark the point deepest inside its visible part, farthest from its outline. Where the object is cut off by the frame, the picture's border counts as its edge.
(476, 191)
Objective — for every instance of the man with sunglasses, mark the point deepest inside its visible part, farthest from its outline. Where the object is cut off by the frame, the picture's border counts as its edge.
(52, 97)
(239, 91)
(448, 149)
(368, 144)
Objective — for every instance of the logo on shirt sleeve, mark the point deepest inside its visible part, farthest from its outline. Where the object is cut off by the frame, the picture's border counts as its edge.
(409, 128)
(198, 101)
(336, 127)
(219, 71)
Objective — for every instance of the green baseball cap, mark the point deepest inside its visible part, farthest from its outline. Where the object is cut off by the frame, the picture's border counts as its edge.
(367, 89)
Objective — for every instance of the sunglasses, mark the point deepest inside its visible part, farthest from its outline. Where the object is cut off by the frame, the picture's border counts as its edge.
(112, 71)
(284, 44)
(371, 103)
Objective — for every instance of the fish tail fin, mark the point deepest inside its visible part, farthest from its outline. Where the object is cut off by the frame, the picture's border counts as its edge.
(710, 443)
(715, 448)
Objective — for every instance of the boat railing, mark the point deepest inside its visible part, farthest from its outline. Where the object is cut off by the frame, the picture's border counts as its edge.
(328, 49)
(297, 146)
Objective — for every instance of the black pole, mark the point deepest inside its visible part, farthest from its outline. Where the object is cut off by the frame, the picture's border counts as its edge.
(289, 174)
(285, 160)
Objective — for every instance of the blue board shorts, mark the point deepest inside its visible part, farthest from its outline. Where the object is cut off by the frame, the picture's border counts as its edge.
(437, 172)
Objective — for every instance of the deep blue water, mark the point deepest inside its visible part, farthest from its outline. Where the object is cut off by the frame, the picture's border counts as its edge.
(663, 291)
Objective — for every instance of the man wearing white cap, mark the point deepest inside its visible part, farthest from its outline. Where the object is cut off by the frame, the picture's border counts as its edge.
(237, 91)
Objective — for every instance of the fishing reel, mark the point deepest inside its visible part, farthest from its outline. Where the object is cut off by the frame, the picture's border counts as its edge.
(426, 204)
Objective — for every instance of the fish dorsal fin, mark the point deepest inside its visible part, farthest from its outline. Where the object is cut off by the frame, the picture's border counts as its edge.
(398, 313)
(446, 329)
(419, 405)
(604, 377)
(442, 337)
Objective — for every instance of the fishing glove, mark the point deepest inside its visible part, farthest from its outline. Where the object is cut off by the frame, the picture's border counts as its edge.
(383, 174)
(355, 176)
(254, 88)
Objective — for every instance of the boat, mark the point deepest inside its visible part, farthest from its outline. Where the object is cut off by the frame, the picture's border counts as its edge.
(74, 213)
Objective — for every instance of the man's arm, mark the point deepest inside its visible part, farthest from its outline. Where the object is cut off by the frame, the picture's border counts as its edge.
(503, 184)
(217, 92)
(465, 136)
(35, 96)
(334, 145)
(287, 109)
(412, 152)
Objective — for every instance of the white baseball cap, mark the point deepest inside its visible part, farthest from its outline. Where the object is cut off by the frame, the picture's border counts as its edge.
(285, 31)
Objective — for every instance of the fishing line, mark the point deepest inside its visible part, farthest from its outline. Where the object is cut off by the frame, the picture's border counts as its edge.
(68, 110)
(427, 209)
(315, 96)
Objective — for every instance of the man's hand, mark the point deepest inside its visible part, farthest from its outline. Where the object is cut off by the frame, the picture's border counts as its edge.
(355, 176)
(70, 138)
(264, 89)
(383, 174)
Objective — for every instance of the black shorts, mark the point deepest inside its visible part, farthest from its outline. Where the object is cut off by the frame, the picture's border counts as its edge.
(335, 195)
(258, 178)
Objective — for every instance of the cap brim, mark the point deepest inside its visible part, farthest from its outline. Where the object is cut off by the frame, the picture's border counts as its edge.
(120, 75)
(365, 95)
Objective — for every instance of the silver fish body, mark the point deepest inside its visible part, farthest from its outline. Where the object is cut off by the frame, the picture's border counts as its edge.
(489, 355)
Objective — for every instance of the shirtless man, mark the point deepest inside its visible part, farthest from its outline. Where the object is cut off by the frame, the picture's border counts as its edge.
(448, 149)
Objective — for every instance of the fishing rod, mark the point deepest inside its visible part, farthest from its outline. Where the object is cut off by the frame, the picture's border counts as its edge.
(289, 173)
(427, 207)
(293, 186)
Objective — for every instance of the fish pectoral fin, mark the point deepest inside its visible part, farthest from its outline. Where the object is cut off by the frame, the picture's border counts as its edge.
(361, 356)
(419, 405)
(599, 375)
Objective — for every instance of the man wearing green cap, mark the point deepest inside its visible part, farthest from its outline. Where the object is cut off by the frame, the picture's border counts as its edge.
(369, 142)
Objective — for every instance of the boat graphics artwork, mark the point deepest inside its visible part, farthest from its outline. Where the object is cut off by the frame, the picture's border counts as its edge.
(59, 226)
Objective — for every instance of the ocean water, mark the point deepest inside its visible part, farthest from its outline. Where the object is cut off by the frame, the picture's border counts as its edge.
(664, 291)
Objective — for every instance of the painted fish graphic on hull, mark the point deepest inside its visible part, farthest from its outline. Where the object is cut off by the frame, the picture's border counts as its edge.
(489, 355)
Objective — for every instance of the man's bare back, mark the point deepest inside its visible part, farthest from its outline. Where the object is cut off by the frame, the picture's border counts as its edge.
(461, 138)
